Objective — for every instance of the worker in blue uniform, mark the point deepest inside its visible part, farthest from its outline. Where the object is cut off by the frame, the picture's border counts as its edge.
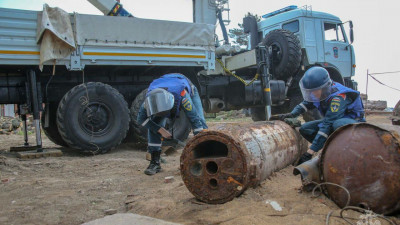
(338, 104)
(166, 96)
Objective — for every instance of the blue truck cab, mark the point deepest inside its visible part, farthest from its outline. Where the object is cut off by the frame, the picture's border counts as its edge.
(322, 37)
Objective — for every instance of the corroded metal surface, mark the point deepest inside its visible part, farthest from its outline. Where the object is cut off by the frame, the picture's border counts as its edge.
(365, 159)
(218, 165)
(396, 114)
(309, 172)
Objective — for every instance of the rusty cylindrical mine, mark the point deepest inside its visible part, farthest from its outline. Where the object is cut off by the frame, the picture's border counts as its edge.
(365, 159)
(218, 165)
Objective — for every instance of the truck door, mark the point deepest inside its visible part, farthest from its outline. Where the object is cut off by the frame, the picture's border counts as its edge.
(336, 47)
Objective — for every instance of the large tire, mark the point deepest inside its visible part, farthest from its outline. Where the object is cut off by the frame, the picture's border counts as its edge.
(180, 129)
(93, 118)
(286, 51)
(52, 130)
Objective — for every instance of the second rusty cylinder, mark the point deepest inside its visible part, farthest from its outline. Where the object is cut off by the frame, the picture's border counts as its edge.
(218, 165)
(364, 159)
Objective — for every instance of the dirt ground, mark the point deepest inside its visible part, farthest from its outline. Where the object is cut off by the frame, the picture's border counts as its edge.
(74, 189)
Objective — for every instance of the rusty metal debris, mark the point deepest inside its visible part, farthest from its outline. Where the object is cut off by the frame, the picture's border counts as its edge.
(218, 165)
(365, 159)
(309, 172)
(396, 114)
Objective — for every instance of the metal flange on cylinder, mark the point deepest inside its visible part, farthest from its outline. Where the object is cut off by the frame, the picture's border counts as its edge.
(218, 165)
(365, 159)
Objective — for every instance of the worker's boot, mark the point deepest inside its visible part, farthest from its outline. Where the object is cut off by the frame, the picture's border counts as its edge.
(154, 166)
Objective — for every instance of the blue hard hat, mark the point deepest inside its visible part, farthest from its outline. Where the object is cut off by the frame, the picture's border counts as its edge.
(315, 79)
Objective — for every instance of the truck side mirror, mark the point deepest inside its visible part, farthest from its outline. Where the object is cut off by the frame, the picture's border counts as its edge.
(351, 32)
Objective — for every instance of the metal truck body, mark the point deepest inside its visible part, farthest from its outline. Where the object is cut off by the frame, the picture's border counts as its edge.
(110, 41)
(322, 37)
(119, 56)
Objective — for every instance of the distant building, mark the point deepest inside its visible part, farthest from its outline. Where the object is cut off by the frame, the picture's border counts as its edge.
(7, 110)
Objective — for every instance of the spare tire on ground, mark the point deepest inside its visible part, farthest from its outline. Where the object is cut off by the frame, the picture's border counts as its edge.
(286, 52)
(93, 118)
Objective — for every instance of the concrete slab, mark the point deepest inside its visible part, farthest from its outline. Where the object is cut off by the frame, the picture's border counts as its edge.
(128, 219)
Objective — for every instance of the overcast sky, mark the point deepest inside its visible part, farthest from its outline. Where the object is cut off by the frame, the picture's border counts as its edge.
(376, 29)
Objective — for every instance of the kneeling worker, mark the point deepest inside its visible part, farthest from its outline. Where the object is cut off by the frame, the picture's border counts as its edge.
(166, 96)
(338, 104)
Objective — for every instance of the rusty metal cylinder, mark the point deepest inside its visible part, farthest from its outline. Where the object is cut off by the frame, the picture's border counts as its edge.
(218, 165)
(365, 159)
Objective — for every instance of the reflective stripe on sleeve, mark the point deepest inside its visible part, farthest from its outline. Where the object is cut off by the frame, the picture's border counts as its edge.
(323, 134)
(154, 145)
(198, 129)
(304, 107)
(145, 122)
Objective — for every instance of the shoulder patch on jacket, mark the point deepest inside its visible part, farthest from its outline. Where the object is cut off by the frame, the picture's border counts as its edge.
(335, 106)
(186, 104)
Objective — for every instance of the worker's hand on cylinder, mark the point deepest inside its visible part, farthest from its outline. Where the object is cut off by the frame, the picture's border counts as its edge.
(164, 133)
(281, 117)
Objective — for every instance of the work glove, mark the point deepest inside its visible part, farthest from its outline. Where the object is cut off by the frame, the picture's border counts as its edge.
(304, 158)
(281, 117)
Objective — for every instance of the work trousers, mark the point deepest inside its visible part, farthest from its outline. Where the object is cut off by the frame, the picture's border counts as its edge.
(310, 129)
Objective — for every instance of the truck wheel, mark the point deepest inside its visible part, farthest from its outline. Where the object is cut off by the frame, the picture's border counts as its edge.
(93, 118)
(286, 50)
(180, 129)
(52, 130)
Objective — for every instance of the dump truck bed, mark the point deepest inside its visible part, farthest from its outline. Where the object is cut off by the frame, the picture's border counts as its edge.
(106, 40)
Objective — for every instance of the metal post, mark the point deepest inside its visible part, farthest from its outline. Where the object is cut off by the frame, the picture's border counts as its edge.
(35, 107)
(366, 93)
(265, 73)
(25, 130)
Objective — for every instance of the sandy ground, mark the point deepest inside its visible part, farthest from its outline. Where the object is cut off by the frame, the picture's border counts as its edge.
(74, 189)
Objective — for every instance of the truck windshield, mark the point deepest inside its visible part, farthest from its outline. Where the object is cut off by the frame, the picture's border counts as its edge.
(333, 32)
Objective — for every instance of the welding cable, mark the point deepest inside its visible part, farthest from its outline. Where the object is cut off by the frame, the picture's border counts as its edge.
(236, 76)
(363, 211)
(346, 207)
(47, 86)
(318, 186)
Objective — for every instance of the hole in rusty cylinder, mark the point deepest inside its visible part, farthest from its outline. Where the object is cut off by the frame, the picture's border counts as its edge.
(210, 149)
(213, 182)
(196, 169)
(212, 167)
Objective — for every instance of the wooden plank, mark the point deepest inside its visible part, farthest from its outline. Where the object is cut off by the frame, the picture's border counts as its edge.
(34, 154)
(22, 148)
